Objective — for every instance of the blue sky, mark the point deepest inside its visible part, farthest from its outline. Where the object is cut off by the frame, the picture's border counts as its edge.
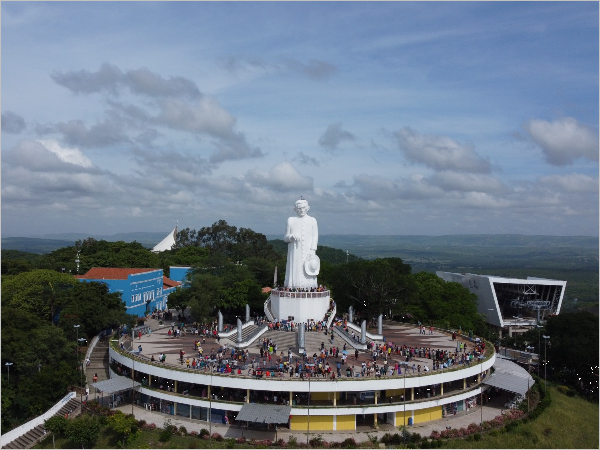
(388, 117)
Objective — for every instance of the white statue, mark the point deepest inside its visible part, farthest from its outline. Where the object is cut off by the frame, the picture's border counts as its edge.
(302, 236)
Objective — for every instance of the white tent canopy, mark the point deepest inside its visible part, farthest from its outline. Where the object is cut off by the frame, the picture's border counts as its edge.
(510, 377)
(115, 384)
(167, 243)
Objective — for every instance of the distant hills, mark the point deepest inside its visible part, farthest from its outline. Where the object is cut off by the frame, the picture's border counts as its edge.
(570, 258)
(51, 242)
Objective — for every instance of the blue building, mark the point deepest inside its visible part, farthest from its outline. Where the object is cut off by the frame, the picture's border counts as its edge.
(142, 290)
(178, 273)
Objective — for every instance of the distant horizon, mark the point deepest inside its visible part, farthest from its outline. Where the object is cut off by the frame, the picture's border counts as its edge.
(52, 235)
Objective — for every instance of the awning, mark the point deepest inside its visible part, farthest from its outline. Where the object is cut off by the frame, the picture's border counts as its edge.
(510, 377)
(116, 384)
(253, 412)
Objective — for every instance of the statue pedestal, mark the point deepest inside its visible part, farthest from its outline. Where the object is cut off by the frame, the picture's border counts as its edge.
(299, 306)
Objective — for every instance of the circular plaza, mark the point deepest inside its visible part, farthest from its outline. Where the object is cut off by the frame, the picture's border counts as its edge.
(330, 386)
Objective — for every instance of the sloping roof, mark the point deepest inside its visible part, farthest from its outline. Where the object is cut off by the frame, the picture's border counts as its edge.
(168, 283)
(253, 412)
(510, 377)
(167, 243)
(116, 384)
(112, 273)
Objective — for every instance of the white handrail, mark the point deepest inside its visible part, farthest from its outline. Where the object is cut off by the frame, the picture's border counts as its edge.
(332, 316)
(268, 310)
(39, 420)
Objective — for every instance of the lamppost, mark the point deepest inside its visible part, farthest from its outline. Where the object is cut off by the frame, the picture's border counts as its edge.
(545, 361)
(77, 330)
(515, 333)
(404, 396)
(539, 327)
(308, 418)
(210, 402)
(489, 323)
(481, 386)
(80, 341)
(132, 380)
(8, 364)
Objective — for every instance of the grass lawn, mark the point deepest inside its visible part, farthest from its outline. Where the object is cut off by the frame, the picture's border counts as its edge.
(569, 422)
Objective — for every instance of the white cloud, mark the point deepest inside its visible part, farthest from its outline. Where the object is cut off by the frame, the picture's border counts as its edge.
(564, 140)
(66, 154)
(440, 152)
(283, 177)
(571, 183)
(473, 182)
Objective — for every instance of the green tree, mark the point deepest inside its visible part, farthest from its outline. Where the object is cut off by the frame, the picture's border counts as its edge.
(83, 430)
(57, 425)
(41, 356)
(42, 292)
(370, 287)
(572, 350)
(445, 304)
(123, 425)
(90, 305)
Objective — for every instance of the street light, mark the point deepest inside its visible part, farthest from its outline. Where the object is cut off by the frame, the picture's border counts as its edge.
(8, 364)
(515, 333)
(489, 323)
(539, 327)
(545, 361)
(404, 397)
(80, 341)
(210, 394)
(132, 381)
(308, 418)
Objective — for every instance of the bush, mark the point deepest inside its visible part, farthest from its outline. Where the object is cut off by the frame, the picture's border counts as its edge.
(316, 441)
(183, 431)
(349, 443)
(217, 437)
(293, 442)
(165, 435)
(415, 437)
(477, 436)
(56, 425)
(204, 432)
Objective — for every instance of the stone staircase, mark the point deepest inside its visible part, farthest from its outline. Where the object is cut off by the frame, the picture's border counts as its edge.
(33, 436)
(312, 341)
(98, 362)
(246, 333)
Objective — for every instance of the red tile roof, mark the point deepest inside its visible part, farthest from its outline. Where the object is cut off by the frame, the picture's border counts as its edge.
(168, 283)
(111, 273)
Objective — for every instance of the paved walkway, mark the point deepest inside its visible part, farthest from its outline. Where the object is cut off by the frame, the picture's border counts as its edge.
(461, 419)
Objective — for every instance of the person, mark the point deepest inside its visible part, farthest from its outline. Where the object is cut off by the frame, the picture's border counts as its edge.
(302, 236)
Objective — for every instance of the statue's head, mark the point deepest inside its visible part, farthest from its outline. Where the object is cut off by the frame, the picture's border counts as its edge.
(301, 207)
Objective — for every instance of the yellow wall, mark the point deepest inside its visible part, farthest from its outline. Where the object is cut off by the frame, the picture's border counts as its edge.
(345, 423)
(317, 423)
(428, 414)
(324, 395)
(399, 417)
(393, 392)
